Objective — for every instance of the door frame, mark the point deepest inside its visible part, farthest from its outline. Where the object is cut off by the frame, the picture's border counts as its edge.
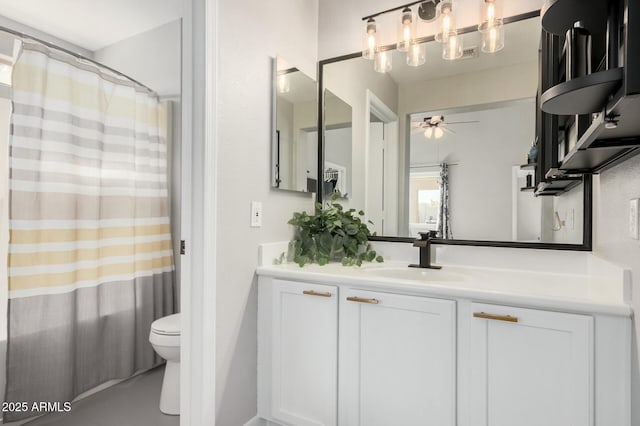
(198, 219)
(377, 107)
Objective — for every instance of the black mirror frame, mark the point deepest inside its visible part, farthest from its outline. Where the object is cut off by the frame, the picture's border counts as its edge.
(587, 181)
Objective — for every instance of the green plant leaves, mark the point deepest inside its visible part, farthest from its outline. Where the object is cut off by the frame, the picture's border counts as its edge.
(331, 234)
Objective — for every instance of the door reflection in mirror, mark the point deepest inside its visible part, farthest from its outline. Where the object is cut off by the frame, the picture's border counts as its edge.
(295, 138)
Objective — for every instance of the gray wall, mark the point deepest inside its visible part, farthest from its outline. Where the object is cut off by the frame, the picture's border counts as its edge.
(613, 190)
(250, 33)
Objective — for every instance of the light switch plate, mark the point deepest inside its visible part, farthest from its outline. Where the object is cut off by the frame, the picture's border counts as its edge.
(256, 214)
(633, 218)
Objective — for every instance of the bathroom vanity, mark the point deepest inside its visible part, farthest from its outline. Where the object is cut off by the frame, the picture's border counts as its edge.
(467, 345)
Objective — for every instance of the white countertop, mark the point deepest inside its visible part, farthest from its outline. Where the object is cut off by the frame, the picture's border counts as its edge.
(594, 293)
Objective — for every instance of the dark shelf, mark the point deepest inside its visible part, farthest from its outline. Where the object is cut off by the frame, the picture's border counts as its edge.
(600, 147)
(527, 188)
(581, 95)
(528, 166)
(560, 15)
(557, 186)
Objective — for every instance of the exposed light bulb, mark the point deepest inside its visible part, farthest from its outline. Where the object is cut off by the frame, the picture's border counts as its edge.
(407, 30)
(383, 62)
(490, 15)
(429, 132)
(493, 39)
(452, 47)
(283, 84)
(438, 133)
(447, 22)
(370, 40)
(416, 55)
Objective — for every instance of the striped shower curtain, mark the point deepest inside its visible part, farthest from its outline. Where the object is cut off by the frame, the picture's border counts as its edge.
(90, 259)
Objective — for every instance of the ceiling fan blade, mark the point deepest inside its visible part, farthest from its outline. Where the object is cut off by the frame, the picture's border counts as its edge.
(417, 130)
(462, 122)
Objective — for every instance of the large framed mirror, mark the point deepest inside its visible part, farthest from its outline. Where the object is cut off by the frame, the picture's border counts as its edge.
(447, 146)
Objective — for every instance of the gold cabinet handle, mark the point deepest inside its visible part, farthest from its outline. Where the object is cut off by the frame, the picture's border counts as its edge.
(363, 300)
(317, 293)
(507, 318)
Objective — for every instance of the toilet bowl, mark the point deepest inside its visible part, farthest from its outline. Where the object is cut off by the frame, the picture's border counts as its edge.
(165, 339)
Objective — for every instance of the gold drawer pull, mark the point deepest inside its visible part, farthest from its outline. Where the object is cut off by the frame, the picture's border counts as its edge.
(507, 318)
(363, 300)
(317, 293)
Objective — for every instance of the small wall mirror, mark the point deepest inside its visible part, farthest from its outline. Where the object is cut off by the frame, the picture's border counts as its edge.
(294, 144)
(469, 122)
(338, 122)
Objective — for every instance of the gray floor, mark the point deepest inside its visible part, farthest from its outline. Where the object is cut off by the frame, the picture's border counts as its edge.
(130, 403)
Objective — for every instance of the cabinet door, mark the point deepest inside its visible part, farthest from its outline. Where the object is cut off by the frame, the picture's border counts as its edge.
(530, 367)
(304, 353)
(397, 360)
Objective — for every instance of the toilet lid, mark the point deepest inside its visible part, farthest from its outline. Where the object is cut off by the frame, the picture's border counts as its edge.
(167, 325)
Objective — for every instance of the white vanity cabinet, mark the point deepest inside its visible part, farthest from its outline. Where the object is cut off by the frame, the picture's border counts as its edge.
(380, 354)
(528, 367)
(397, 360)
(298, 353)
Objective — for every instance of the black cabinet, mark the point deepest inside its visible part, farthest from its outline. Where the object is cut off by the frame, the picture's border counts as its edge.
(590, 122)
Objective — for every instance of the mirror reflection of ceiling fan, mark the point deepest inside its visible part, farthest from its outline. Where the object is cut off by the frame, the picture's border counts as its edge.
(435, 126)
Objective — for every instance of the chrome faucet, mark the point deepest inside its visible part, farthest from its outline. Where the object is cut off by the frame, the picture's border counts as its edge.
(424, 242)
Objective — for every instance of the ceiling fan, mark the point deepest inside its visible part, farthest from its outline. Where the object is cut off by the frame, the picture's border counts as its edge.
(435, 126)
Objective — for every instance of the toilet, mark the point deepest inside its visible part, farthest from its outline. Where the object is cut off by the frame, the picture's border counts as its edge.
(165, 339)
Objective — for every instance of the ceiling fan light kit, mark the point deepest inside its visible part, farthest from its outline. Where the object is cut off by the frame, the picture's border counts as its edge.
(409, 39)
(436, 127)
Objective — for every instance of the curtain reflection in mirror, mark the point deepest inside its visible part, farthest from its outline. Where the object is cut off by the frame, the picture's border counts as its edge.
(444, 217)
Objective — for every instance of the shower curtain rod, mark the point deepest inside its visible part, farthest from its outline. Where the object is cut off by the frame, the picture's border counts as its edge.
(418, 166)
(72, 53)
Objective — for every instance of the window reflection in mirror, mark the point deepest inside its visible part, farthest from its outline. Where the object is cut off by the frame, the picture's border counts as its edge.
(295, 139)
(397, 183)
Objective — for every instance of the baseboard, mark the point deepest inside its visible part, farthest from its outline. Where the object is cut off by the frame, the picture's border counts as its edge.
(259, 421)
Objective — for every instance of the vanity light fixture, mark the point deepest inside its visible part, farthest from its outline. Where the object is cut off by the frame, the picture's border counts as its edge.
(493, 39)
(447, 22)
(383, 61)
(284, 86)
(491, 28)
(452, 47)
(490, 15)
(416, 55)
(370, 40)
(407, 30)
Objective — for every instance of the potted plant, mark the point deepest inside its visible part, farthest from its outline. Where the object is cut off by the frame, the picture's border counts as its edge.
(331, 234)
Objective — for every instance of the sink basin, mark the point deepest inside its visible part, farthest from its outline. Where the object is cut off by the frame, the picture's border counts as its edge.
(418, 274)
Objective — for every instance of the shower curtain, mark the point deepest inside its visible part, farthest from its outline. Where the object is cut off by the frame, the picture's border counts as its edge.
(90, 259)
(444, 219)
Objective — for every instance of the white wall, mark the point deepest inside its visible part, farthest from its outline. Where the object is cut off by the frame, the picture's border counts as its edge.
(26, 29)
(482, 154)
(152, 58)
(613, 190)
(349, 80)
(337, 150)
(250, 33)
(463, 90)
